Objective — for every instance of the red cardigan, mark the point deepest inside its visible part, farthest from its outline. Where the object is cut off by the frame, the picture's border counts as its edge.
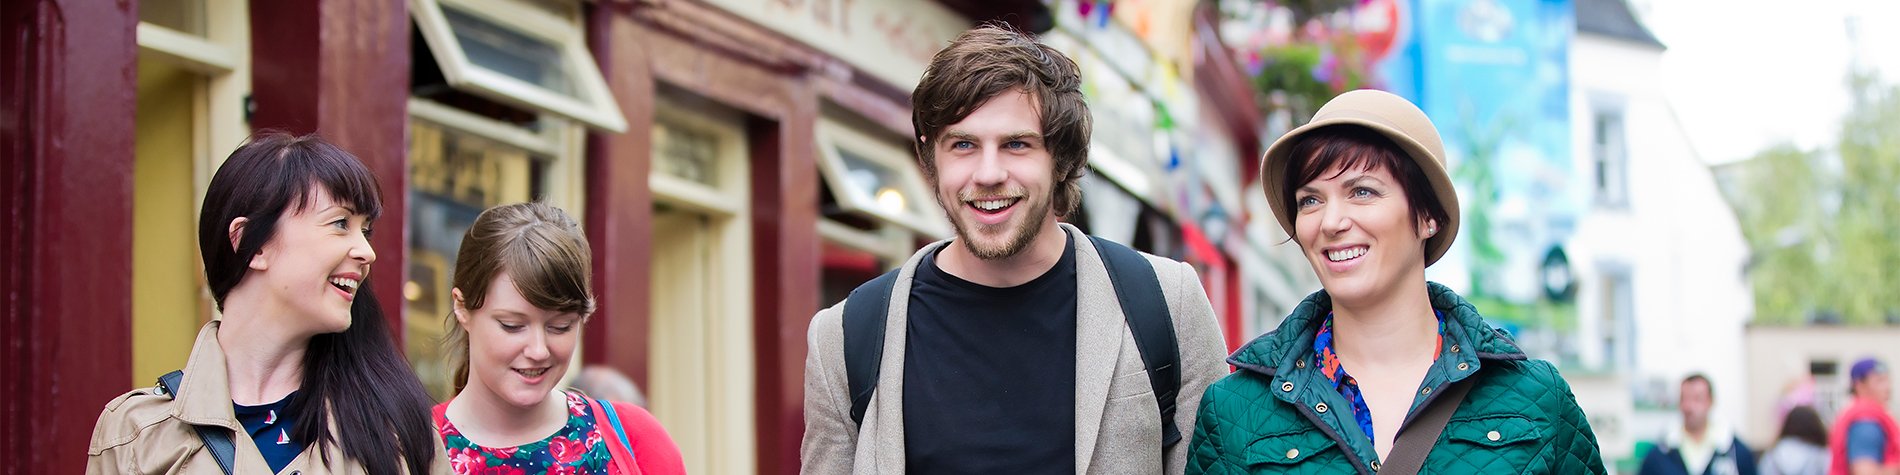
(1861, 409)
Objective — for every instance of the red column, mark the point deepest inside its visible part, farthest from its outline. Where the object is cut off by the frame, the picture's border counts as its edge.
(340, 68)
(785, 289)
(66, 128)
(619, 219)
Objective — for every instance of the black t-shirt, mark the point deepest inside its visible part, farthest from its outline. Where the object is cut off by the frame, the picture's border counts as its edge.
(989, 373)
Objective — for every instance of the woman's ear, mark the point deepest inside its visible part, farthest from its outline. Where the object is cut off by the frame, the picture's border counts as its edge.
(236, 233)
(1429, 228)
(461, 309)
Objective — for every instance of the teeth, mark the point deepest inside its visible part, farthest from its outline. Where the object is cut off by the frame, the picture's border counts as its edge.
(531, 372)
(992, 205)
(1344, 254)
(346, 284)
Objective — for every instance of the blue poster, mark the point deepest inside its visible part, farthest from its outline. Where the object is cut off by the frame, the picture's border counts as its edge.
(1494, 77)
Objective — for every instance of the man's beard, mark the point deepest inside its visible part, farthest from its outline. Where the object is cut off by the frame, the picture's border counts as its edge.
(1027, 229)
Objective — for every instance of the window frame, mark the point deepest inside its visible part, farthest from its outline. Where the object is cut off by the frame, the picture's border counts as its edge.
(592, 104)
(925, 219)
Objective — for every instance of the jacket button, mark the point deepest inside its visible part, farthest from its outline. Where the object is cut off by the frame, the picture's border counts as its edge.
(1375, 466)
(1493, 436)
(1286, 386)
(1463, 366)
(1427, 391)
(1321, 407)
(1454, 348)
(1291, 453)
(1300, 363)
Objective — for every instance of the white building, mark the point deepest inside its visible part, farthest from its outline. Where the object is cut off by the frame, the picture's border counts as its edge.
(1659, 255)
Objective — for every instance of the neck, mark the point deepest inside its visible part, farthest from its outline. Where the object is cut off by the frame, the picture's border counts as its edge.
(1696, 434)
(491, 422)
(1397, 329)
(1034, 261)
(263, 360)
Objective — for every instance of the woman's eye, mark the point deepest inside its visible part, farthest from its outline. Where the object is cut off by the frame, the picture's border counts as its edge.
(1363, 192)
(561, 329)
(511, 328)
(1307, 201)
(341, 223)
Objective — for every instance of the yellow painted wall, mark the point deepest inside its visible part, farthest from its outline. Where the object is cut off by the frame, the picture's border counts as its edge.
(165, 265)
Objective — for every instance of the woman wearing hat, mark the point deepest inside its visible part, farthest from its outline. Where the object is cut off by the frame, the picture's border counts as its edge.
(1381, 371)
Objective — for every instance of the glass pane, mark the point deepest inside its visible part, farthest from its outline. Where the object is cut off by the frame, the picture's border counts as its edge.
(183, 16)
(453, 177)
(877, 184)
(685, 153)
(502, 50)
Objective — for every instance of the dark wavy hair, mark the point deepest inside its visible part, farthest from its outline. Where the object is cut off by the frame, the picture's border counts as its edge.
(992, 59)
(1804, 424)
(355, 380)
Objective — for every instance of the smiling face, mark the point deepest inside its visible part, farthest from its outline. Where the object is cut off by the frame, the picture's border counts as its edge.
(314, 263)
(516, 351)
(1359, 232)
(996, 177)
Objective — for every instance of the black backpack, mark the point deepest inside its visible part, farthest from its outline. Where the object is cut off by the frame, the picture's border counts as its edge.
(1136, 286)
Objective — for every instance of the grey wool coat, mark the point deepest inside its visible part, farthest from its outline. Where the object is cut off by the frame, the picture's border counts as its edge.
(1117, 422)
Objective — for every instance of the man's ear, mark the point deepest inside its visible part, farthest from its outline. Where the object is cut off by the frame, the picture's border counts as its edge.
(236, 232)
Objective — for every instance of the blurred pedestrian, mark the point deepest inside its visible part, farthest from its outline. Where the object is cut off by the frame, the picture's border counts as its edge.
(605, 382)
(522, 293)
(1006, 345)
(1702, 444)
(1865, 440)
(1364, 192)
(1802, 447)
(301, 360)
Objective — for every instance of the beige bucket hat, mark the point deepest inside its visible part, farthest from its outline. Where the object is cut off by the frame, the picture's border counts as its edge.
(1389, 115)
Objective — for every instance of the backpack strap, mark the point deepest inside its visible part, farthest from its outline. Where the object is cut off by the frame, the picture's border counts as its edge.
(864, 313)
(1417, 439)
(1146, 309)
(217, 440)
(604, 416)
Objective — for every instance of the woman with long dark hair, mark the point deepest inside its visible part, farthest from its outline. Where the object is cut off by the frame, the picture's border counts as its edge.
(1802, 447)
(300, 374)
(523, 292)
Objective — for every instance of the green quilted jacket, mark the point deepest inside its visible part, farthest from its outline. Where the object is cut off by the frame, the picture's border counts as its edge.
(1278, 414)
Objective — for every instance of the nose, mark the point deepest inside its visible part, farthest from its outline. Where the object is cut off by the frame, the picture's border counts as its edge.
(537, 345)
(989, 168)
(1334, 219)
(361, 251)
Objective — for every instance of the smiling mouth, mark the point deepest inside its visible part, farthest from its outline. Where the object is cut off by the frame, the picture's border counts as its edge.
(347, 285)
(532, 373)
(992, 206)
(1347, 254)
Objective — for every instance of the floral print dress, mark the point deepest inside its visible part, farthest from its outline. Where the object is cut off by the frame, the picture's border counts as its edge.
(577, 448)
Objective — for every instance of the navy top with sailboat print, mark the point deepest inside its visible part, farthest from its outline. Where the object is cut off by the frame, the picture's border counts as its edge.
(270, 426)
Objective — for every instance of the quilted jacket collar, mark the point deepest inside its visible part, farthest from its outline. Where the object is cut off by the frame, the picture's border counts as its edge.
(1277, 351)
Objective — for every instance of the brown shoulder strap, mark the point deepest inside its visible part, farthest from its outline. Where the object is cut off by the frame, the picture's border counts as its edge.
(1409, 450)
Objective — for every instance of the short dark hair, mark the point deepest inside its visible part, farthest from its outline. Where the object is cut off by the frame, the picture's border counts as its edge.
(1347, 147)
(1804, 424)
(992, 59)
(1694, 377)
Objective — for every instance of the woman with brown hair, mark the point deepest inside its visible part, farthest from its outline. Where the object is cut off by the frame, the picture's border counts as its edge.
(300, 374)
(1802, 447)
(522, 292)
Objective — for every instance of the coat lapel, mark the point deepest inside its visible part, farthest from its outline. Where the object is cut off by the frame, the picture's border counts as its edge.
(885, 416)
(1098, 340)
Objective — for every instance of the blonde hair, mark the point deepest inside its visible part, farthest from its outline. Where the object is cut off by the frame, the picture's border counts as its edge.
(540, 247)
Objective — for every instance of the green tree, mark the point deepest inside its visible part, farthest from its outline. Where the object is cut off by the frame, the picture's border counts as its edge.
(1824, 228)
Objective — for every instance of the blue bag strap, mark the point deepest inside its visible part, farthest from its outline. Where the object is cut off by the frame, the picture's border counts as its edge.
(864, 314)
(217, 440)
(613, 419)
(1146, 309)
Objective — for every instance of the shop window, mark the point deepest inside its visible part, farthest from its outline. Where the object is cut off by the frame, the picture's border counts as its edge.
(1610, 159)
(518, 54)
(877, 178)
(460, 164)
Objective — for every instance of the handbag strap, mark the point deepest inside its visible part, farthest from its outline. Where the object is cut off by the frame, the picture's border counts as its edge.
(217, 440)
(1409, 450)
(604, 416)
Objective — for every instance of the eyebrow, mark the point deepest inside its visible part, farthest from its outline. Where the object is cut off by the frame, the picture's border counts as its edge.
(1349, 183)
(1017, 135)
